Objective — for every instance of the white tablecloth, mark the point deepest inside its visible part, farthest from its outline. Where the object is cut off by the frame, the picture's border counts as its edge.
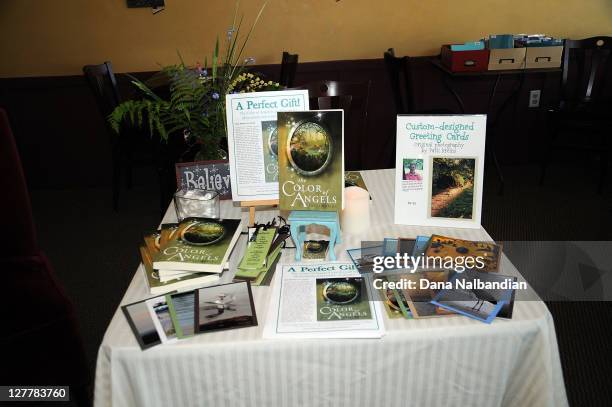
(454, 361)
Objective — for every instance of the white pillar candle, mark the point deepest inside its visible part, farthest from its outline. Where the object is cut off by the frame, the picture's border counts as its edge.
(355, 218)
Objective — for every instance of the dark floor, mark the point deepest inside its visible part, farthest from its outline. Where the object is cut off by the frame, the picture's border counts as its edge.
(97, 270)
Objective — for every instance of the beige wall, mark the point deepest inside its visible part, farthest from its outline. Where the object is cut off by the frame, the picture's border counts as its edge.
(44, 37)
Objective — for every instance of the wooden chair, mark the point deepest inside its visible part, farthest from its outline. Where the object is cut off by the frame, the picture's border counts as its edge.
(584, 111)
(288, 69)
(399, 70)
(353, 98)
(103, 85)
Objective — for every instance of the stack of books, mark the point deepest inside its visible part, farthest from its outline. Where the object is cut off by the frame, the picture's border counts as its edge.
(191, 253)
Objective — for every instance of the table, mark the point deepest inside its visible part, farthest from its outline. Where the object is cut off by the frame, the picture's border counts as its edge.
(492, 115)
(430, 362)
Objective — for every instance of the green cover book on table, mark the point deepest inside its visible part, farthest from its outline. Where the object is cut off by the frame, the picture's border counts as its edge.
(199, 245)
(311, 160)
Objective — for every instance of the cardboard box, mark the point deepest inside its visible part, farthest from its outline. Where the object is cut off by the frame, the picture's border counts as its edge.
(543, 57)
(464, 61)
(507, 58)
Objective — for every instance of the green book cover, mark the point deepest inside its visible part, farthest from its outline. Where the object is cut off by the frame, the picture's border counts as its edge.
(342, 299)
(254, 258)
(156, 286)
(311, 160)
(199, 245)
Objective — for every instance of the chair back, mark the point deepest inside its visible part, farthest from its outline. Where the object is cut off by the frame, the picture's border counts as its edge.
(586, 63)
(103, 84)
(20, 237)
(353, 98)
(400, 78)
(288, 69)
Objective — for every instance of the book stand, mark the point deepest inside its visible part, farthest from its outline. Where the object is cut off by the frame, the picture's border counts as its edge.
(299, 220)
(254, 204)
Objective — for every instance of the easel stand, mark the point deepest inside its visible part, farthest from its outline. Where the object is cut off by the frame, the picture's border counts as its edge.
(254, 204)
(299, 220)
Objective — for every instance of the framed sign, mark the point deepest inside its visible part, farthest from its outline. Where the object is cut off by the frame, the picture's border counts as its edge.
(213, 174)
(252, 138)
(439, 170)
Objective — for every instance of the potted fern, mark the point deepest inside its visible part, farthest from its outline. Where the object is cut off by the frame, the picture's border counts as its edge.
(196, 106)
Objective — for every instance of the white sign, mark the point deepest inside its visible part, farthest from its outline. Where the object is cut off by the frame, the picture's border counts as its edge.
(439, 168)
(253, 140)
(322, 300)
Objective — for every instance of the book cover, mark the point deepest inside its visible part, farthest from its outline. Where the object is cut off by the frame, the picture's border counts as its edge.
(311, 160)
(167, 230)
(342, 299)
(199, 245)
(157, 286)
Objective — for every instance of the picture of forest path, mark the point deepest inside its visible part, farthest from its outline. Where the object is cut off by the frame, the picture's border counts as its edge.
(452, 188)
(450, 200)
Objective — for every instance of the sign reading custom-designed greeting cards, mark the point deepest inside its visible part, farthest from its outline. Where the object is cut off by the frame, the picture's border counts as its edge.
(311, 160)
(439, 168)
(253, 140)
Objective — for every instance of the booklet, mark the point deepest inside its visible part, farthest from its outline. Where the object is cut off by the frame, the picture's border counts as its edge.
(323, 300)
(198, 245)
(252, 140)
(311, 160)
(439, 170)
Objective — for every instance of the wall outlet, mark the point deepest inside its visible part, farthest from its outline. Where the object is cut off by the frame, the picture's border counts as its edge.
(534, 98)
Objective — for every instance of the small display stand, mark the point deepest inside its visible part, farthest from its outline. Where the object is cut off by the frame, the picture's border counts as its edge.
(299, 220)
(252, 205)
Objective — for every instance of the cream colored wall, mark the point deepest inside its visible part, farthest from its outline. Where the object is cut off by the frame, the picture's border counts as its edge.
(44, 37)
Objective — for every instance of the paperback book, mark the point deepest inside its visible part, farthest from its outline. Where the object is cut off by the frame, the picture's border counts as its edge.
(311, 160)
(198, 245)
(181, 282)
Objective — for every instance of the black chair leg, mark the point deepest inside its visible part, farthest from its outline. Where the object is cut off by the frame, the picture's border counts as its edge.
(116, 177)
